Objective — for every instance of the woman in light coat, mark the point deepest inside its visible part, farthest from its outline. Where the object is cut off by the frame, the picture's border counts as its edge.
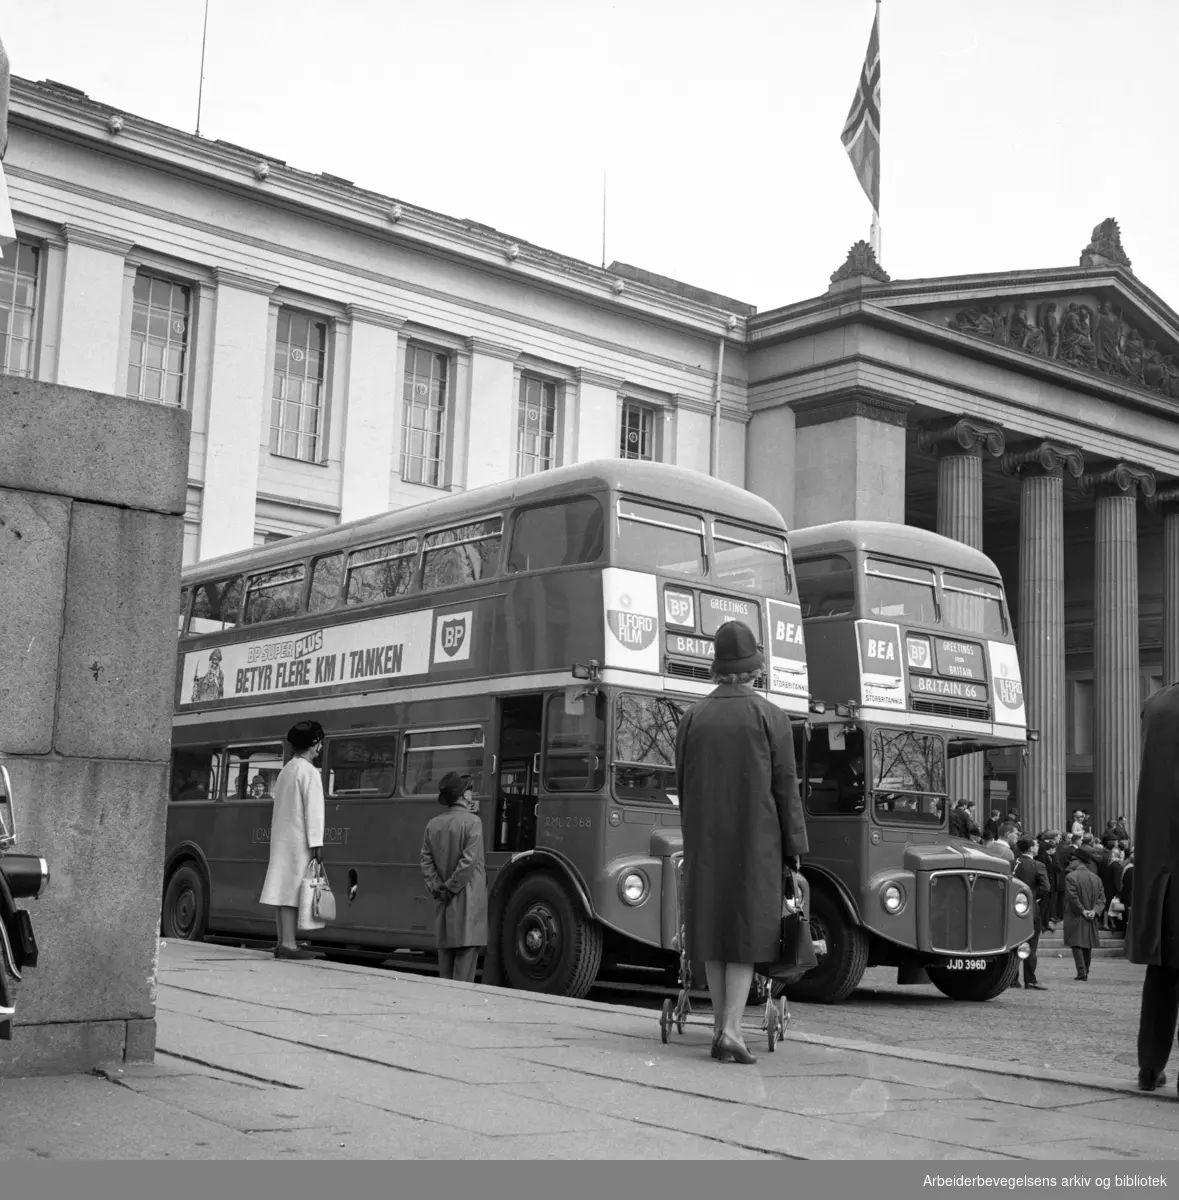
(296, 834)
(453, 868)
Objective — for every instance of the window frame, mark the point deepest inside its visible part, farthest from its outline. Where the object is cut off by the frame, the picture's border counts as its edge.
(396, 792)
(617, 516)
(405, 749)
(443, 464)
(227, 751)
(276, 434)
(852, 598)
(495, 573)
(249, 589)
(527, 377)
(192, 296)
(644, 411)
(197, 586)
(314, 562)
(34, 311)
(217, 751)
(730, 540)
(414, 577)
(603, 504)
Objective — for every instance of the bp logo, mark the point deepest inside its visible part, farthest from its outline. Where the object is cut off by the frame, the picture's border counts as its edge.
(635, 631)
(1009, 692)
(452, 638)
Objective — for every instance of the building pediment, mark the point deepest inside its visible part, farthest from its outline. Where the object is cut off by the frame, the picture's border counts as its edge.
(1101, 322)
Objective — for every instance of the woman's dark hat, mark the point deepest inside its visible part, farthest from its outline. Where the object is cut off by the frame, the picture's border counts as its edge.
(452, 787)
(735, 650)
(304, 735)
(1084, 854)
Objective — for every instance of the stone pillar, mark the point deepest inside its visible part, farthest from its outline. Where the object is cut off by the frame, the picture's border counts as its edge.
(959, 448)
(239, 400)
(849, 458)
(596, 422)
(1116, 741)
(491, 414)
(1168, 504)
(1041, 470)
(91, 310)
(372, 431)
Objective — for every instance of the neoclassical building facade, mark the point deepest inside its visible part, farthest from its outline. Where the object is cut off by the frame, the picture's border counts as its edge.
(343, 353)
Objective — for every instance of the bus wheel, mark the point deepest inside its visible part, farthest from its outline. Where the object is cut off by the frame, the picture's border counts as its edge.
(977, 985)
(185, 905)
(547, 944)
(840, 970)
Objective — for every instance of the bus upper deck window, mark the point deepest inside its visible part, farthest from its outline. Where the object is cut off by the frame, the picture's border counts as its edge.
(463, 554)
(973, 606)
(274, 594)
(215, 605)
(747, 558)
(899, 591)
(659, 539)
(557, 535)
(327, 573)
(185, 593)
(826, 586)
(381, 572)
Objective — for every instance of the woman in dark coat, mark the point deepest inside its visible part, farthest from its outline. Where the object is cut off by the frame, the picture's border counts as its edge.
(1153, 933)
(742, 821)
(1084, 902)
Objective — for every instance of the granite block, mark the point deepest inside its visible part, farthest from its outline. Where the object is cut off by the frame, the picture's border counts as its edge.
(34, 542)
(100, 825)
(140, 1046)
(92, 446)
(55, 1049)
(118, 657)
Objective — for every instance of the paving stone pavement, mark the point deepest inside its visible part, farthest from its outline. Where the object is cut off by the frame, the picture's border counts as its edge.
(261, 1059)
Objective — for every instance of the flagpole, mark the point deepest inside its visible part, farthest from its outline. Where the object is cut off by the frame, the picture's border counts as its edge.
(201, 85)
(876, 238)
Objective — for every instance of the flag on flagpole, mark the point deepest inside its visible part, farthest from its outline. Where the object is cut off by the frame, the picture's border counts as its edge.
(861, 130)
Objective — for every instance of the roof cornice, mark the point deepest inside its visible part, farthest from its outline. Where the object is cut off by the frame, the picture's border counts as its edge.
(75, 117)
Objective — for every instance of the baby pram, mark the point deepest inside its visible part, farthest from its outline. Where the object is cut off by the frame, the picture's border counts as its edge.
(771, 993)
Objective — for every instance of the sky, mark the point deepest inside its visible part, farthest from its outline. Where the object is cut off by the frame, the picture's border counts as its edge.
(1009, 128)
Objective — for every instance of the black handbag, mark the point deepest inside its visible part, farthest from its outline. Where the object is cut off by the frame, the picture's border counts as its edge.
(796, 950)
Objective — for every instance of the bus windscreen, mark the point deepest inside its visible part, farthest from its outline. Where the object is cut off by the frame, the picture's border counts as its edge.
(659, 539)
(751, 560)
(972, 606)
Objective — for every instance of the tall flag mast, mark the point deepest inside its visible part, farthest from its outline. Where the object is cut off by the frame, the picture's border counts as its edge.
(861, 130)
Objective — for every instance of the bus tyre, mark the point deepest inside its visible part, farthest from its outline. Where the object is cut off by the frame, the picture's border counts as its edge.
(547, 944)
(840, 970)
(977, 985)
(185, 905)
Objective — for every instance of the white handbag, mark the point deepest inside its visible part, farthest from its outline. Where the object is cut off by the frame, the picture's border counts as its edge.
(317, 905)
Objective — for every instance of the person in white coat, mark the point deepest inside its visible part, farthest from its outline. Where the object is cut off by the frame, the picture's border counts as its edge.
(296, 834)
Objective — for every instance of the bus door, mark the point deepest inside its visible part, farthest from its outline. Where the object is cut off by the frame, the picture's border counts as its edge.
(836, 794)
(517, 784)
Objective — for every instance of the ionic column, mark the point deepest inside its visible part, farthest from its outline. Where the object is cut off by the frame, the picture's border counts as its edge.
(1041, 470)
(1116, 744)
(1168, 503)
(959, 448)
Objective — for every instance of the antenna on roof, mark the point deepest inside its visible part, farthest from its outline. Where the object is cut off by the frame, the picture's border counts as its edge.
(201, 85)
(603, 219)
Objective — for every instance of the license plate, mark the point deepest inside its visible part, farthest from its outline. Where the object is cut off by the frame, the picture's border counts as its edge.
(966, 964)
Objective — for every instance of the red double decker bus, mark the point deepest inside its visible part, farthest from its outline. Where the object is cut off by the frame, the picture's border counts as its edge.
(912, 664)
(544, 636)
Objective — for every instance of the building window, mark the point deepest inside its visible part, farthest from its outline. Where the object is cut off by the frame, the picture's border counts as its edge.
(159, 340)
(296, 408)
(423, 416)
(18, 307)
(536, 426)
(638, 432)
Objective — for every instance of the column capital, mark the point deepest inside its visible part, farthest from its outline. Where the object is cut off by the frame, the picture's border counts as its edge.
(1048, 458)
(80, 236)
(964, 436)
(1164, 501)
(1121, 478)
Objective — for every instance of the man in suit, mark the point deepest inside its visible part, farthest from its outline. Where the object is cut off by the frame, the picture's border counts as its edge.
(1035, 875)
(1153, 933)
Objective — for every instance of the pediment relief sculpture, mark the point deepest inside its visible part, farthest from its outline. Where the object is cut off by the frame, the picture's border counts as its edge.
(1077, 334)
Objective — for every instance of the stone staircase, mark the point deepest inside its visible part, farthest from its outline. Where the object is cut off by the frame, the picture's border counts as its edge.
(1113, 945)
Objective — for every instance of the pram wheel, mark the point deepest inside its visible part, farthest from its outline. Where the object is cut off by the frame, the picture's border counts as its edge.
(772, 1031)
(665, 1020)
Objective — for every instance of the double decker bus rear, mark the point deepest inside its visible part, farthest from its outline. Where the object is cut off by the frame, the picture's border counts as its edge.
(543, 636)
(912, 663)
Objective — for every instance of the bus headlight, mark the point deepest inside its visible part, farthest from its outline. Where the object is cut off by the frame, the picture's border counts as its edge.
(633, 888)
(1023, 904)
(893, 898)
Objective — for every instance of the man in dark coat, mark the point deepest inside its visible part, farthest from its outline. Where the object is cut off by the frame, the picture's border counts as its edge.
(1153, 934)
(1084, 902)
(961, 825)
(1032, 872)
(742, 821)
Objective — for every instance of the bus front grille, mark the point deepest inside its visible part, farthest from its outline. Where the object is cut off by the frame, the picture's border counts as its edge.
(971, 712)
(702, 671)
(967, 912)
